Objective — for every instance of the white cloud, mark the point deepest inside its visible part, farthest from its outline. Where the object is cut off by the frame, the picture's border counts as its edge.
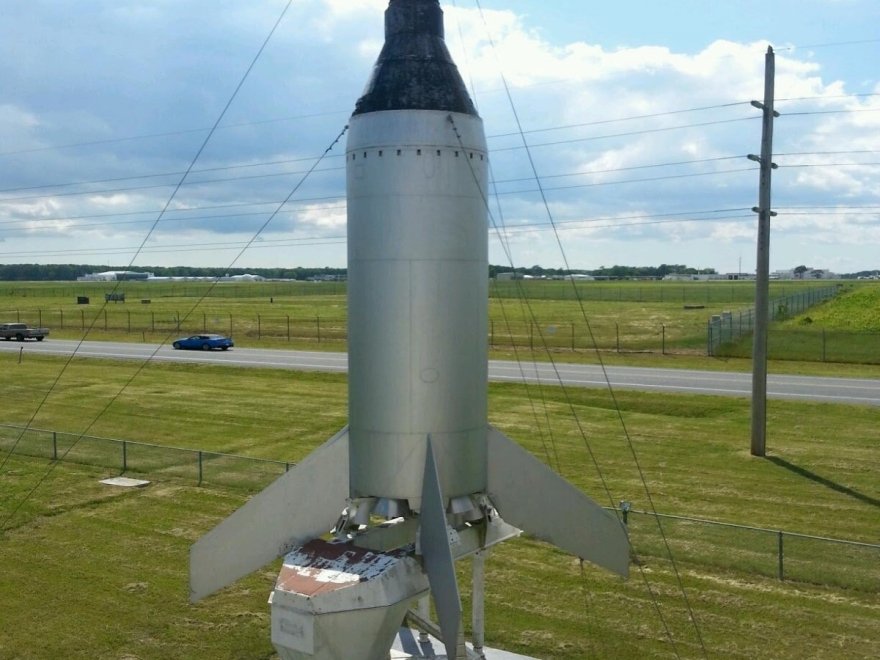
(167, 69)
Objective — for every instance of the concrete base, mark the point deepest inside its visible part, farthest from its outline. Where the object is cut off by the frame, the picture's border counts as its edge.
(125, 482)
(407, 647)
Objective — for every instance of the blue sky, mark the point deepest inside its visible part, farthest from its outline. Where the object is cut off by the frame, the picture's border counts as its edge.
(636, 115)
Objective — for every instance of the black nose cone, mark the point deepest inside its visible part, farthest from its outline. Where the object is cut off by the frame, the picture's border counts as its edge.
(414, 70)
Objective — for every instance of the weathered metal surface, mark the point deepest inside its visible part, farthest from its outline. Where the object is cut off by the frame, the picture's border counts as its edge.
(533, 497)
(414, 70)
(434, 544)
(418, 297)
(300, 505)
(321, 566)
(335, 600)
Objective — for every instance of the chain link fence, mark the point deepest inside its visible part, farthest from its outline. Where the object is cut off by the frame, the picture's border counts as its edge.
(772, 553)
(623, 336)
(728, 328)
(143, 459)
(767, 552)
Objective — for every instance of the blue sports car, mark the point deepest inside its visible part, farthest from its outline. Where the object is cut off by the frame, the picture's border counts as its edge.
(204, 342)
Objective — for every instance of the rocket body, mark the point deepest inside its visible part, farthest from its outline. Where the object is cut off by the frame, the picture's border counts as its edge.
(418, 291)
(417, 168)
(418, 449)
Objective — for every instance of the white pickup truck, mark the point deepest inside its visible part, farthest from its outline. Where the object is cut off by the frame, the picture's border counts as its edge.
(21, 331)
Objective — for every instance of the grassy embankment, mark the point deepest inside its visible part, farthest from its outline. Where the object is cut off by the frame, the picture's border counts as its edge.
(93, 572)
(845, 329)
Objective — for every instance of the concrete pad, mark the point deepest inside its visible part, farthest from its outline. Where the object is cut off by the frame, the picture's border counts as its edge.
(125, 482)
(407, 647)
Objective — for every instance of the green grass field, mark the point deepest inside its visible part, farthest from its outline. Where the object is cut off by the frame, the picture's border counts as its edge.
(91, 572)
(623, 316)
(845, 329)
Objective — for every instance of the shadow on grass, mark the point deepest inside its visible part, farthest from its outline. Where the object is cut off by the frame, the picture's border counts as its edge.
(812, 476)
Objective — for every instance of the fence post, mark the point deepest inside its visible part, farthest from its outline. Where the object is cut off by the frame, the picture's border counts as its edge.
(572, 337)
(663, 342)
(781, 570)
(318, 327)
(124, 456)
(61, 314)
(200, 468)
(105, 319)
(617, 336)
(152, 321)
(54, 446)
(40, 318)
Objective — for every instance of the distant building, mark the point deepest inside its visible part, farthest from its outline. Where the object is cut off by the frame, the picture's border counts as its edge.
(707, 277)
(114, 276)
(808, 274)
(507, 276)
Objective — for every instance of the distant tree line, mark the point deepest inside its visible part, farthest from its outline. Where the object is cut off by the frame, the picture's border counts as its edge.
(613, 272)
(69, 272)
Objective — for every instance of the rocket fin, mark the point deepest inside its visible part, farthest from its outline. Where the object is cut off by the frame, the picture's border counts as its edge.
(531, 496)
(302, 504)
(437, 556)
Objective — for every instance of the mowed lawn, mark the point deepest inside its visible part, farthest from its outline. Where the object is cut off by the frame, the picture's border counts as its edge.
(626, 316)
(94, 572)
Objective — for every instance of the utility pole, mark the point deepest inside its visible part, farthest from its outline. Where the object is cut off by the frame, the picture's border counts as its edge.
(762, 279)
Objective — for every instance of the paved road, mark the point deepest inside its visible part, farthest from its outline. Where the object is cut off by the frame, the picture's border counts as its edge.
(863, 391)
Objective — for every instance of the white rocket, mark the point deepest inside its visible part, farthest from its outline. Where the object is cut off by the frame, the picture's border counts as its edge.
(419, 476)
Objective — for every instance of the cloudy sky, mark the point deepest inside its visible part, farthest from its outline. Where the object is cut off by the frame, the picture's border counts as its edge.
(636, 115)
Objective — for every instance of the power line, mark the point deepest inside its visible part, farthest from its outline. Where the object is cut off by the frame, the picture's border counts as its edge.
(583, 434)
(177, 174)
(627, 134)
(552, 176)
(828, 153)
(851, 111)
(797, 165)
(834, 44)
(188, 131)
(611, 222)
(829, 96)
(187, 247)
(64, 368)
(597, 184)
(601, 122)
(498, 150)
(183, 131)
